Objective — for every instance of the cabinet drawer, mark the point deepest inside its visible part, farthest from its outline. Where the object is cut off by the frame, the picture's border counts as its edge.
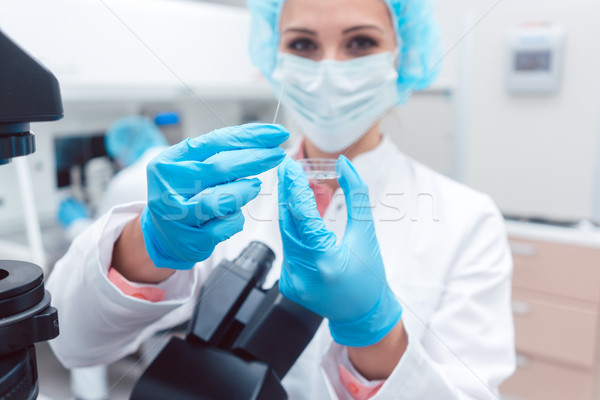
(561, 330)
(558, 269)
(540, 380)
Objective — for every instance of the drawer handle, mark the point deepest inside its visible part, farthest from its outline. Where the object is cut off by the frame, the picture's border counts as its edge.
(521, 307)
(522, 249)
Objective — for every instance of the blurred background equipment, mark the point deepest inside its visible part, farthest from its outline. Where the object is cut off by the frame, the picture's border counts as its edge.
(95, 184)
(186, 84)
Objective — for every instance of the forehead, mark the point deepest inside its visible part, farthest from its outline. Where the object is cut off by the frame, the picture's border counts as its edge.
(343, 13)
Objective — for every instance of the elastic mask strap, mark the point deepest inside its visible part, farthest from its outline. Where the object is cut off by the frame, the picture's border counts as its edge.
(396, 56)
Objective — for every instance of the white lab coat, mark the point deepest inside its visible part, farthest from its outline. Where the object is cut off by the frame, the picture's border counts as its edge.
(445, 251)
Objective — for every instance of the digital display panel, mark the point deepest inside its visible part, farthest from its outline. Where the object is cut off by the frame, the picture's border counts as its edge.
(533, 61)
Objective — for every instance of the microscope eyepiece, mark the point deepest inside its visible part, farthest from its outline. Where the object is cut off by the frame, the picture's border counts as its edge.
(28, 93)
(256, 255)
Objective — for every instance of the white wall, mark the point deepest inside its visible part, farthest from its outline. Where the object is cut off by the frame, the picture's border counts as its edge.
(534, 154)
(423, 128)
(429, 126)
(160, 48)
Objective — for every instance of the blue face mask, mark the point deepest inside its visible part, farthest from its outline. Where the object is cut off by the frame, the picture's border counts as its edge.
(336, 102)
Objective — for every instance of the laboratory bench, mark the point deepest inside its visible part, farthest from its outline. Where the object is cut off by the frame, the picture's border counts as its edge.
(556, 308)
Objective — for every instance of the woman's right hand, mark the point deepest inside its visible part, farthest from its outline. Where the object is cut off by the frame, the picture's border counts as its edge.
(196, 190)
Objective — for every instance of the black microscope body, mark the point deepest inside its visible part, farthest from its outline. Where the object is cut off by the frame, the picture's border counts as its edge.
(28, 93)
(241, 341)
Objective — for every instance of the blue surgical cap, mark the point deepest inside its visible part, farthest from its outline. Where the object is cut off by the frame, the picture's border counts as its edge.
(416, 30)
(128, 138)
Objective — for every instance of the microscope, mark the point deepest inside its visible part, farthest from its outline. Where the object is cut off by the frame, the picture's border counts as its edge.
(242, 339)
(28, 93)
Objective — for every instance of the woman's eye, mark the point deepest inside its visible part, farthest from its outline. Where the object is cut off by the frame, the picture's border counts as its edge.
(361, 43)
(302, 45)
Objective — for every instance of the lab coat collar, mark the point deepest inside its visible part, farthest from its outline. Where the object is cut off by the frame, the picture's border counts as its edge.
(374, 166)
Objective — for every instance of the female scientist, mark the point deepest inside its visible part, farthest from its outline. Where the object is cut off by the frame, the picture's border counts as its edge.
(411, 270)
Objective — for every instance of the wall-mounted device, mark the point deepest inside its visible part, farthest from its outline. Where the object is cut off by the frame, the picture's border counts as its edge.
(535, 58)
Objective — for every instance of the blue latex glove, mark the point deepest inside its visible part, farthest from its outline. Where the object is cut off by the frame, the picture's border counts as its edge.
(196, 190)
(343, 282)
(71, 210)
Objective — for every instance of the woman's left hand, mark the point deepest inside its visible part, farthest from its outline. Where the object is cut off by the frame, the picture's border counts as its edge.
(343, 282)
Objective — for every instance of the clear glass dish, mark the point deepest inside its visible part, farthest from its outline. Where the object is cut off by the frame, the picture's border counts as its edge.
(319, 169)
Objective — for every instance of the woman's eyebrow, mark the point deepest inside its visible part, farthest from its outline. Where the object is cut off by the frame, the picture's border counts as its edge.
(300, 30)
(359, 27)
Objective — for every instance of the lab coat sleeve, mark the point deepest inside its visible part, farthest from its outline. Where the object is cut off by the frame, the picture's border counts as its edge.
(466, 348)
(98, 323)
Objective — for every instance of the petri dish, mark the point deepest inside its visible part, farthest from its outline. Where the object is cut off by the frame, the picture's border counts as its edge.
(319, 169)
